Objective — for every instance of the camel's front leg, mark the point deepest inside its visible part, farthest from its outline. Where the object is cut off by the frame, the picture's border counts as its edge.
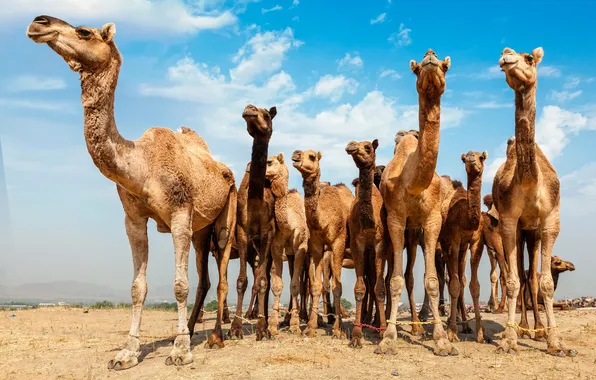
(136, 229)
(315, 275)
(476, 249)
(380, 291)
(454, 287)
(338, 247)
(276, 281)
(533, 239)
(412, 245)
(300, 249)
(358, 248)
(200, 241)
(494, 281)
(235, 331)
(181, 226)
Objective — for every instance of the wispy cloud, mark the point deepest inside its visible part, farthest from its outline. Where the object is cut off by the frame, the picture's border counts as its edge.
(35, 83)
(402, 37)
(295, 3)
(37, 105)
(275, 8)
(389, 73)
(350, 62)
(548, 71)
(333, 88)
(565, 96)
(493, 104)
(379, 19)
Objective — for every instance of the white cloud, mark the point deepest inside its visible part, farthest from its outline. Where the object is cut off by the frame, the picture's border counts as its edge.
(334, 87)
(572, 82)
(491, 73)
(35, 83)
(37, 105)
(296, 18)
(162, 16)
(351, 62)
(564, 96)
(402, 37)
(380, 18)
(390, 73)
(262, 54)
(295, 3)
(578, 191)
(548, 71)
(493, 104)
(275, 8)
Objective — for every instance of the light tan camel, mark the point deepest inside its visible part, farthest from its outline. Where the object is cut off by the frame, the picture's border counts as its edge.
(463, 219)
(526, 193)
(291, 233)
(327, 210)
(260, 209)
(169, 177)
(412, 196)
(367, 233)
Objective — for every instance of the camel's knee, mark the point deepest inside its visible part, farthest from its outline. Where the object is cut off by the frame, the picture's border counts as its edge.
(138, 291)
(262, 285)
(494, 277)
(454, 287)
(315, 288)
(431, 284)
(294, 288)
(222, 287)
(277, 285)
(547, 286)
(396, 284)
(512, 287)
(181, 290)
(380, 290)
(337, 289)
(359, 290)
(475, 289)
(222, 237)
(241, 284)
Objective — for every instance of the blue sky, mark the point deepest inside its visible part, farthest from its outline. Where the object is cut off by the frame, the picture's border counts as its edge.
(337, 71)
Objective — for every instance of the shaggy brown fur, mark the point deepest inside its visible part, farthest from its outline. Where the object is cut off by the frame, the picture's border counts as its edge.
(526, 193)
(327, 220)
(166, 176)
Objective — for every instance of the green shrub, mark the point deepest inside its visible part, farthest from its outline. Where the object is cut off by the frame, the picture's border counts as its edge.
(211, 306)
(347, 305)
(102, 305)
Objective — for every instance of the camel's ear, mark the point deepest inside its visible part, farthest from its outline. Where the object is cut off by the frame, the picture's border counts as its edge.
(280, 158)
(414, 67)
(538, 53)
(463, 158)
(272, 112)
(108, 31)
(446, 63)
(375, 144)
(319, 155)
(484, 155)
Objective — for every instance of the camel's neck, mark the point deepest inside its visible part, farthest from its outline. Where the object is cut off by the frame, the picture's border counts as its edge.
(258, 167)
(474, 205)
(279, 187)
(429, 118)
(311, 200)
(555, 275)
(365, 189)
(105, 145)
(525, 148)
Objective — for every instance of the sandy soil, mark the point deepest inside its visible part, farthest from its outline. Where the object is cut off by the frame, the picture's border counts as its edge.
(69, 344)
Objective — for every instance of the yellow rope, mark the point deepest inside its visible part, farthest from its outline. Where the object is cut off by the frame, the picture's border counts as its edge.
(434, 322)
(516, 326)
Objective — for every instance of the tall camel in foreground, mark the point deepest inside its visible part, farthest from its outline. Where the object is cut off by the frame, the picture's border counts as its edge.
(260, 211)
(327, 210)
(170, 177)
(526, 193)
(463, 220)
(367, 233)
(292, 234)
(412, 196)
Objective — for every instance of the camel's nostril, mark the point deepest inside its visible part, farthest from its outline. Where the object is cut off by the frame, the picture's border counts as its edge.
(41, 20)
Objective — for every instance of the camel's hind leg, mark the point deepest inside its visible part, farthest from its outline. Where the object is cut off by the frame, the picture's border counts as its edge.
(235, 331)
(454, 288)
(412, 245)
(315, 274)
(476, 249)
(136, 229)
(200, 241)
(338, 247)
(277, 283)
(300, 248)
(462, 286)
(533, 238)
(494, 281)
(358, 249)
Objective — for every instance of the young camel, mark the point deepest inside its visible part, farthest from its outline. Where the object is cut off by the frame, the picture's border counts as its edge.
(260, 211)
(291, 233)
(327, 215)
(463, 219)
(412, 196)
(170, 177)
(367, 233)
(526, 192)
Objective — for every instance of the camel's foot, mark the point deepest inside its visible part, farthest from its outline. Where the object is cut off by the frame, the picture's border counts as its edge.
(356, 341)
(452, 334)
(388, 345)
(445, 348)
(540, 336)
(128, 356)
(508, 343)
(215, 339)
(499, 310)
(465, 329)
(338, 332)
(180, 354)
(558, 349)
(310, 330)
(226, 318)
(273, 322)
(235, 331)
(442, 311)
(251, 314)
(417, 330)
(481, 336)
(262, 330)
(522, 331)
(294, 324)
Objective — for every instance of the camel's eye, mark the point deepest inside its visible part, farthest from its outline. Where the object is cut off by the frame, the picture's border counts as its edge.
(312, 157)
(530, 59)
(84, 33)
(270, 162)
(266, 116)
(367, 148)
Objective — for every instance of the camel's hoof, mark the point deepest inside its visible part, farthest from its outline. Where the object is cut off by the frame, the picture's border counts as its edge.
(310, 331)
(355, 343)
(215, 340)
(452, 336)
(121, 364)
(179, 360)
(417, 330)
(294, 330)
(180, 354)
(235, 331)
(499, 311)
(386, 347)
(338, 334)
(384, 351)
(509, 350)
(273, 331)
(539, 336)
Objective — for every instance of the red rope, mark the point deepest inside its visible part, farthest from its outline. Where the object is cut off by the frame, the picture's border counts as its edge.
(377, 329)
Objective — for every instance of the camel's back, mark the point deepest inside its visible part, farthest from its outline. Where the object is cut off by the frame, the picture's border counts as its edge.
(345, 195)
(394, 170)
(332, 208)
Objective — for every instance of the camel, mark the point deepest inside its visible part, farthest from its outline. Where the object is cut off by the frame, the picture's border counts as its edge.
(526, 193)
(367, 233)
(412, 197)
(260, 210)
(463, 220)
(170, 177)
(291, 232)
(327, 209)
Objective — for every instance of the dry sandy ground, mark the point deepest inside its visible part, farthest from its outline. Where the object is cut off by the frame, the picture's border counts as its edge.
(69, 344)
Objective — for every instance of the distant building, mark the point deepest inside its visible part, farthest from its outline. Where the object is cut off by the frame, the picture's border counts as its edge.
(46, 304)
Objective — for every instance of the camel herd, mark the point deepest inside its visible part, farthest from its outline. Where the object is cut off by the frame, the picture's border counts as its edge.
(172, 178)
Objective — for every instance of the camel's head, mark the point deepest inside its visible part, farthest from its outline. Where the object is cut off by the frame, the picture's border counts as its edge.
(520, 68)
(474, 162)
(85, 49)
(259, 121)
(488, 201)
(363, 153)
(558, 265)
(307, 162)
(430, 73)
(276, 168)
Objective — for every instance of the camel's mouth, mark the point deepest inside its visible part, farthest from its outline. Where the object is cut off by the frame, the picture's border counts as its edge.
(250, 112)
(41, 37)
(40, 30)
(351, 148)
(570, 267)
(507, 61)
(430, 60)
